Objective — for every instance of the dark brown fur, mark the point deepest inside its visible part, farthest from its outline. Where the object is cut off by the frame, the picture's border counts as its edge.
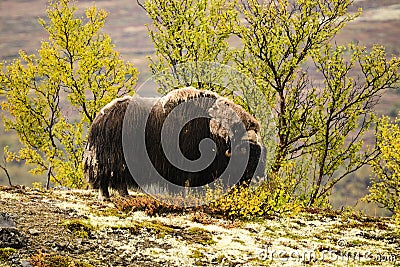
(104, 161)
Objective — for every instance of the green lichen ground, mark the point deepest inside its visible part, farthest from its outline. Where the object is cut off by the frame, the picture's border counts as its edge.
(90, 233)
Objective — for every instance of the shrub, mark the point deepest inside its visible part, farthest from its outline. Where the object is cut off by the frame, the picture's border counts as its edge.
(385, 182)
(148, 204)
(247, 203)
(52, 97)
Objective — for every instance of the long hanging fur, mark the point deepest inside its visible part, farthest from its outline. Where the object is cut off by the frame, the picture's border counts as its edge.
(103, 157)
(104, 160)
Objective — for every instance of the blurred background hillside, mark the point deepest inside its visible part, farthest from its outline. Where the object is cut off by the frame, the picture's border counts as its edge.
(126, 24)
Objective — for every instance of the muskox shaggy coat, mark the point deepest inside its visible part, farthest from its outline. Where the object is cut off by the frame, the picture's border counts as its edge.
(204, 115)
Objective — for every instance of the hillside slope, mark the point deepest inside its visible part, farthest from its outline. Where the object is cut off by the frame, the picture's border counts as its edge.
(126, 24)
(69, 225)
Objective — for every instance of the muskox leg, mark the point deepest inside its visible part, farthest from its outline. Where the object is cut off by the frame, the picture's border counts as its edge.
(104, 195)
(123, 189)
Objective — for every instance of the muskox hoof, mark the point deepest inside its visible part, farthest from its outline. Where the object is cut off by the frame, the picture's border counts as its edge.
(102, 198)
(104, 195)
(123, 192)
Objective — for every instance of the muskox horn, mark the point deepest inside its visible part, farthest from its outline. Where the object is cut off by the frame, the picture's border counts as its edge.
(228, 153)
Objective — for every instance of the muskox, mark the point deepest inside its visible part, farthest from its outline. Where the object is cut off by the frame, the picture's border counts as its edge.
(188, 137)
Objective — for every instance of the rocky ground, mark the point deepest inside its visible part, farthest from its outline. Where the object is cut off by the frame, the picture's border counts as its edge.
(71, 228)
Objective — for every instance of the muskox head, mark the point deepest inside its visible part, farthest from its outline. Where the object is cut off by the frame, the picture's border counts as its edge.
(242, 131)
